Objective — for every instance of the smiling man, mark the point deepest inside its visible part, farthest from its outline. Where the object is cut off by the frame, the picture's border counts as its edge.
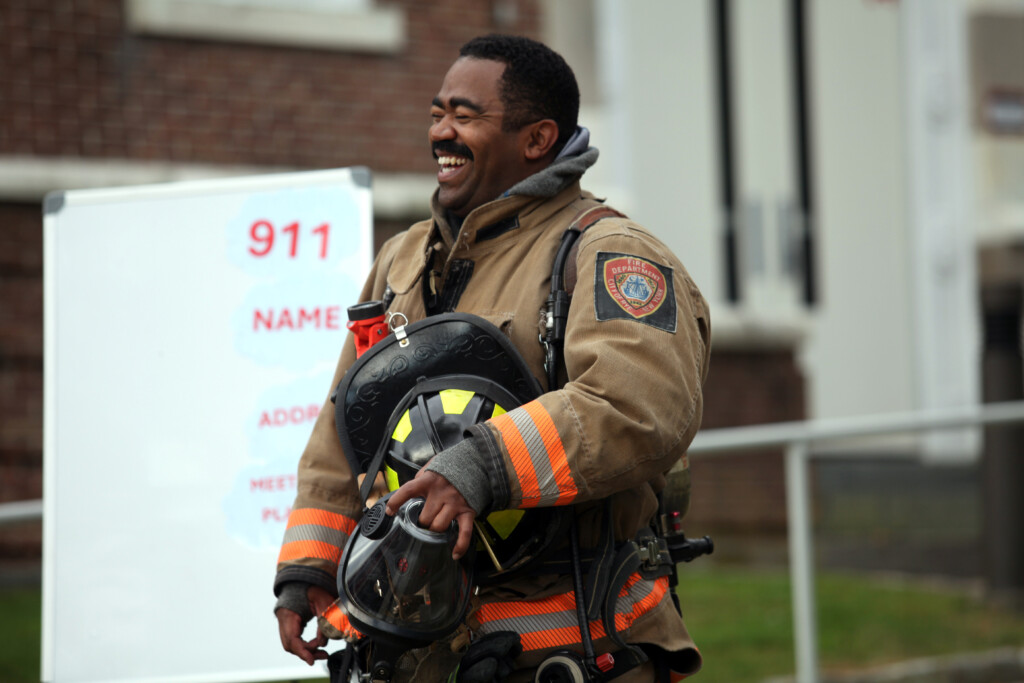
(484, 145)
(571, 475)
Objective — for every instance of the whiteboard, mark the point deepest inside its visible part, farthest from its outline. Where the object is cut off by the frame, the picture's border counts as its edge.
(191, 332)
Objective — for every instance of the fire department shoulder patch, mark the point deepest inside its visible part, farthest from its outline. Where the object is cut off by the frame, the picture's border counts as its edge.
(634, 288)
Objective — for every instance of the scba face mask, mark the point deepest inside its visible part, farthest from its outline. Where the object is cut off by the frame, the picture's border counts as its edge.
(398, 581)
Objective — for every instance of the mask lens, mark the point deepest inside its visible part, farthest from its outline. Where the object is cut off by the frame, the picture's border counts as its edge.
(405, 581)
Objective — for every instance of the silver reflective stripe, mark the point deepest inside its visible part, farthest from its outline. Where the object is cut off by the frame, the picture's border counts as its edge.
(533, 623)
(566, 619)
(538, 456)
(316, 532)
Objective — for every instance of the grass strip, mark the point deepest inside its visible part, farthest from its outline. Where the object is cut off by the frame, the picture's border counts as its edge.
(740, 619)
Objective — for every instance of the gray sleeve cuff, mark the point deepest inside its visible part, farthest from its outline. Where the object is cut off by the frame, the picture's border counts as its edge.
(293, 597)
(464, 466)
(306, 575)
(494, 464)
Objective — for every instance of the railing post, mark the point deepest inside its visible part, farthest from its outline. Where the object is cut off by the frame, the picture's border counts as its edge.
(801, 562)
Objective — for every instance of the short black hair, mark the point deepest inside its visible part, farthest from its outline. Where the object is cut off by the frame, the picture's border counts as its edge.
(537, 83)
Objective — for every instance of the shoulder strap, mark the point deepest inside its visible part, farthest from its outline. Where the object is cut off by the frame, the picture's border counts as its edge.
(584, 220)
(563, 284)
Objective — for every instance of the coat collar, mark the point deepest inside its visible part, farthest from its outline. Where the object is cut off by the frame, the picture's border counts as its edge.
(502, 215)
(489, 221)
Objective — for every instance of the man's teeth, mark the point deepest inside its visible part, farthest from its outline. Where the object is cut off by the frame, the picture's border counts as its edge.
(450, 161)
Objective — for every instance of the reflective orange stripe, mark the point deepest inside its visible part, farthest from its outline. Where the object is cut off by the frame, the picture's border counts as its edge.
(538, 456)
(556, 452)
(315, 533)
(644, 605)
(321, 518)
(564, 602)
(297, 550)
(558, 637)
(528, 608)
(339, 620)
(520, 457)
(544, 624)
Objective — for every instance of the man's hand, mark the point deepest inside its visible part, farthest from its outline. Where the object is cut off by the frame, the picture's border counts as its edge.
(443, 504)
(290, 626)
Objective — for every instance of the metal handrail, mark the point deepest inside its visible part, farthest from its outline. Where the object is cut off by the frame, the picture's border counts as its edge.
(796, 437)
(21, 511)
(834, 429)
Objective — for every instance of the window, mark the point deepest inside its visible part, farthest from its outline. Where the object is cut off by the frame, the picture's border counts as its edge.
(356, 25)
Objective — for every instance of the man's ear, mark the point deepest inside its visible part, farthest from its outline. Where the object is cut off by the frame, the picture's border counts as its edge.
(541, 136)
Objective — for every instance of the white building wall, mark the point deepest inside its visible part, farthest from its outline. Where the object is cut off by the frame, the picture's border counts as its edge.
(659, 141)
(859, 358)
(856, 345)
(940, 196)
(863, 344)
(766, 153)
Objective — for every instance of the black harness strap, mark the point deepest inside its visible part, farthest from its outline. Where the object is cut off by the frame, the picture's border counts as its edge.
(599, 573)
(626, 562)
(563, 284)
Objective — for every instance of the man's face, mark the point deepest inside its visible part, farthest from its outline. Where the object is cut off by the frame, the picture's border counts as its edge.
(477, 160)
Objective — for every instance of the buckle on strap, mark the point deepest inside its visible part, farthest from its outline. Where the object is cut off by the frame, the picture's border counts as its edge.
(648, 552)
(653, 553)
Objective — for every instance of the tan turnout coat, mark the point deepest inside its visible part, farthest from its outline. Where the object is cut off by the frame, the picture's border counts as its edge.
(629, 410)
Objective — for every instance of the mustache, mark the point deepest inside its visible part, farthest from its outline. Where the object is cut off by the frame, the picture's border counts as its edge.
(448, 147)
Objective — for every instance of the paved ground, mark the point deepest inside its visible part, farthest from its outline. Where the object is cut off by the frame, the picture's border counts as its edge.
(1004, 665)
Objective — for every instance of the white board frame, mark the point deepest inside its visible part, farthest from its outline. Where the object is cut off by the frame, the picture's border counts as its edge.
(112, 638)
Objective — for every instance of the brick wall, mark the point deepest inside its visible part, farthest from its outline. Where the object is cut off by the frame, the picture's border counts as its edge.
(21, 351)
(21, 369)
(745, 492)
(74, 82)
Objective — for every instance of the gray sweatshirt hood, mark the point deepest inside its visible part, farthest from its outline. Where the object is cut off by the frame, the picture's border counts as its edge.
(571, 163)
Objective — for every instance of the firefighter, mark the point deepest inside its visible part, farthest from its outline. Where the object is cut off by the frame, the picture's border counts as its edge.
(618, 394)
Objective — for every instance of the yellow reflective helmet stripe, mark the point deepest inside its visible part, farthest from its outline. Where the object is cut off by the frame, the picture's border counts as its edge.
(403, 428)
(504, 521)
(454, 401)
(391, 478)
